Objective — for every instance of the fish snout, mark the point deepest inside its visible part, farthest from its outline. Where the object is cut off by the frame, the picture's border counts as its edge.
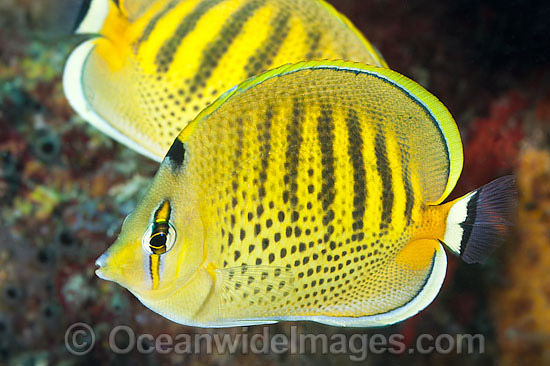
(104, 270)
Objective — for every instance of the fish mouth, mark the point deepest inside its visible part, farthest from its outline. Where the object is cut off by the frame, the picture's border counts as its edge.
(103, 271)
(100, 263)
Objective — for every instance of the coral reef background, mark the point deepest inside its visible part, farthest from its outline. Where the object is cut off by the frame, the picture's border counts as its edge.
(65, 188)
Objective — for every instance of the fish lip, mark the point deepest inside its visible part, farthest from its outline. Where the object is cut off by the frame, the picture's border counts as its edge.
(100, 262)
(107, 274)
(101, 272)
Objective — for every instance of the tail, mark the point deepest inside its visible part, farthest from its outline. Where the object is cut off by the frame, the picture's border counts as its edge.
(481, 220)
(91, 15)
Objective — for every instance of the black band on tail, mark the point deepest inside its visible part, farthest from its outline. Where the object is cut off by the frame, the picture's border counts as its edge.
(468, 224)
(490, 216)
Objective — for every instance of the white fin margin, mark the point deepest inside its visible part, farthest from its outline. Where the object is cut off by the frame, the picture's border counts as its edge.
(454, 231)
(74, 92)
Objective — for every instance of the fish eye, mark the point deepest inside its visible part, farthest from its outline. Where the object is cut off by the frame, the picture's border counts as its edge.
(159, 238)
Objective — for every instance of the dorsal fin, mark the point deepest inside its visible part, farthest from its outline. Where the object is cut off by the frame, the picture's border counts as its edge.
(150, 69)
(429, 132)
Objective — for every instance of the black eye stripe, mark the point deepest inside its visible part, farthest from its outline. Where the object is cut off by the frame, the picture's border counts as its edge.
(162, 214)
(161, 228)
(158, 240)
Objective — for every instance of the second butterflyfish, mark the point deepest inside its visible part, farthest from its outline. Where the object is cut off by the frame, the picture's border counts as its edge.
(152, 66)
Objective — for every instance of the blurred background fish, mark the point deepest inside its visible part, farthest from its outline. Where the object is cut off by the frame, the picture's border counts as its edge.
(310, 192)
(152, 66)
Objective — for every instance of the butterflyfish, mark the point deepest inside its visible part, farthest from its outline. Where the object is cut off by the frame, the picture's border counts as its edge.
(311, 192)
(152, 66)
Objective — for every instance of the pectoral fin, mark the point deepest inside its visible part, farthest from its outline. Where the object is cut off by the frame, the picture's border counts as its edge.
(253, 291)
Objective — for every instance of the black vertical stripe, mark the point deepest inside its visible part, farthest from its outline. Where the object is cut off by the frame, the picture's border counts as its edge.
(313, 39)
(215, 50)
(433, 120)
(157, 269)
(151, 268)
(157, 212)
(168, 50)
(263, 56)
(413, 98)
(294, 138)
(236, 193)
(237, 154)
(407, 184)
(325, 135)
(264, 139)
(468, 224)
(355, 152)
(239, 145)
(157, 243)
(153, 23)
(384, 170)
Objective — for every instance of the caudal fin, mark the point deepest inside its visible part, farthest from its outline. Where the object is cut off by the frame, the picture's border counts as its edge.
(481, 220)
(91, 15)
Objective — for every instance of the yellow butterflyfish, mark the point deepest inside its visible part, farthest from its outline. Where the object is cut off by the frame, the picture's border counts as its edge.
(310, 192)
(154, 65)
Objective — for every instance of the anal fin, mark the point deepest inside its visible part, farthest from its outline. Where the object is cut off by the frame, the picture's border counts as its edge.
(421, 259)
